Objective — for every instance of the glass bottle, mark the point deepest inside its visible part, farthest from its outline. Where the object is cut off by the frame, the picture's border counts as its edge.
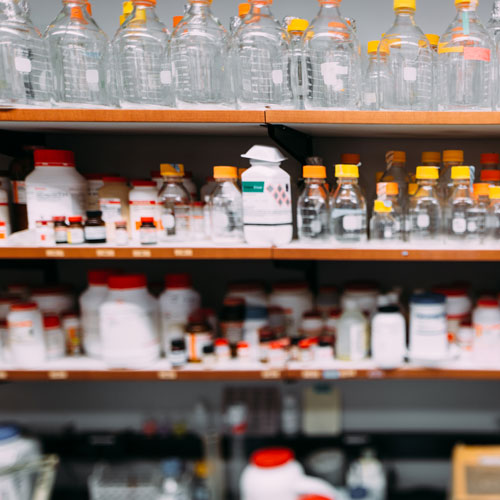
(494, 213)
(141, 57)
(395, 171)
(493, 28)
(260, 54)
(425, 214)
(459, 205)
(451, 158)
(377, 81)
(79, 52)
(348, 207)
(313, 205)
(466, 62)
(199, 55)
(383, 224)
(410, 60)
(25, 75)
(332, 61)
(434, 44)
(431, 159)
(235, 21)
(226, 207)
(175, 205)
(477, 225)
(389, 192)
(352, 333)
(296, 30)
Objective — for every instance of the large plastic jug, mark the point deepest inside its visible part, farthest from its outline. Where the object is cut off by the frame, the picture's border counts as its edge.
(273, 473)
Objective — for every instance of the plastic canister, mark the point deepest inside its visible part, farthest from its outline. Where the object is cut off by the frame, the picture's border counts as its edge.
(90, 302)
(177, 303)
(458, 309)
(54, 337)
(26, 338)
(113, 203)
(54, 188)
(274, 473)
(428, 327)
(56, 299)
(129, 323)
(295, 299)
(94, 183)
(486, 322)
(388, 337)
(143, 201)
(267, 198)
(256, 318)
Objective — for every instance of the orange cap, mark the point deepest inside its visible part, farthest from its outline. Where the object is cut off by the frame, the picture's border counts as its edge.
(387, 189)
(490, 158)
(431, 157)
(176, 20)
(225, 173)
(481, 189)
(243, 9)
(314, 172)
(76, 13)
(350, 158)
(490, 175)
(453, 155)
(398, 157)
(88, 6)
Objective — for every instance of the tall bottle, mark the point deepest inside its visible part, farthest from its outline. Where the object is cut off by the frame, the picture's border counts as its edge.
(493, 28)
(313, 205)
(296, 30)
(389, 192)
(434, 44)
(395, 171)
(425, 214)
(451, 158)
(460, 204)
(141, 58)
(24, 60)
(199, 54)
(466, 62)
(352, 333)
(377, 81)
(410, 60)
(494, 213)
(348, 219)
(383, 224)
(235, 21)
(260, 54)
(478, 225)
(332, 61)
(79, 53)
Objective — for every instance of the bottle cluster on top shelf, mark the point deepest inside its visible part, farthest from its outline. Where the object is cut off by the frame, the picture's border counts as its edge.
(295, 65)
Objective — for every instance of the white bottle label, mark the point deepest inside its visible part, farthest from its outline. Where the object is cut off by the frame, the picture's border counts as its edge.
(95, 233)
(370, 98)
(23, 64)
(92, 76)
(19, 192)
(352, 222)
(277, 76)
(357, 342)
(111, 209)
(409, 74)
(166, 77)
(423, 221)
(266, 203)
(140, 209)
(75, 236)
(459, 226)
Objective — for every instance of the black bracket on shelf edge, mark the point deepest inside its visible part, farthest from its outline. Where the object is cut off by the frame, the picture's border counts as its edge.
(295, 143)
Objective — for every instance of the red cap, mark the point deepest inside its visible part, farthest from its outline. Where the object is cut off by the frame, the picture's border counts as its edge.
(450, 291)
(197, 204)
(50, 290)
(179, 280)
(54, 158)
(147, 220)
(272, 457)
(490, 175)
(59, 219)
(126, 281)
(490, 158)
(314, 497)
(51, 322)
(210, 178)
(99, 276)
(242, 345)
(24, 306)
(114, 179)
(155, 173)
(487, 302)
(221, 342)
(143, 183)
(305, 343)
(75, 219)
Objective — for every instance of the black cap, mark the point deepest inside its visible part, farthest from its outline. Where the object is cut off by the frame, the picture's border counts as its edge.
(94, 214)
(208, 349)
(178, 344)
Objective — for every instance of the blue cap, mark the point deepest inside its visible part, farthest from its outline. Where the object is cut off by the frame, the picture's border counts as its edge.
(172, 467)
(256, 312)
(428, 298)
(358, 492)
(8, 432)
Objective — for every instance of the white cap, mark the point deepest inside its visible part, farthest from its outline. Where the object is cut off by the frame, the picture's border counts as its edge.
(264, 153)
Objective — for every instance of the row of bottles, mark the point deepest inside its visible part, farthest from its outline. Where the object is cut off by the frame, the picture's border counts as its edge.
(201, 65)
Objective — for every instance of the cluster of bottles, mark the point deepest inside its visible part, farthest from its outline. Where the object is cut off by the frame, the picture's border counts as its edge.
(259, 63)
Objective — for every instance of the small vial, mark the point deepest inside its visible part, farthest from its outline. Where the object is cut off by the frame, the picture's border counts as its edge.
(75, 231)
(277, 355)
(148, 232)
(178, 354)
(209, 359)
(73, 333)
(44, 233)
(305, 350)
(243, 351)
(324, 350)
(222, 351)
(121, 234)
(60, 230)
(465, 340)
(95, 228)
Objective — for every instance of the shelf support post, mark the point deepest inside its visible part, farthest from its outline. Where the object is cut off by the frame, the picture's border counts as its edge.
(295, 143)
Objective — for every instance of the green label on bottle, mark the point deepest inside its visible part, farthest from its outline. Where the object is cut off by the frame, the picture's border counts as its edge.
(253, 187)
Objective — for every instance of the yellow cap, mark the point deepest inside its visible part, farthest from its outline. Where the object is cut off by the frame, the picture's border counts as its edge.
(373, 46)
(433, 39)
(298, 25)
(431, 157)
(240, 171)
(412, 188)
(243, 9)
(225, 172)
(454, 155)
(460, 173)
(172, 169)
(350, 158)
(402, 4)
(128, 7)
(346, 171)
(495, 192)
(382, 206)
(427, 173)
(314, 172)
(201, 469)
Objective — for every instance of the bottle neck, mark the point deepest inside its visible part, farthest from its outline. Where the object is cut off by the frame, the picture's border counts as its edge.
(469, 7)
(198, 7)
(427, 183)
(329, 10)
(313, 180)
(405, 16)
(348, 181)
(461, 187)
(261, 8)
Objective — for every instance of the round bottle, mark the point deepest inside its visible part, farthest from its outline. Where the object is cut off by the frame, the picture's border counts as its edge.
(113, 203)
(143, 200)
(95, 228)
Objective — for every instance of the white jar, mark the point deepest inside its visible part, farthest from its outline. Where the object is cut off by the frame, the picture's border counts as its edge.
(267, 199)
(177, 303)
(5, 210)
(94, 183)
(54, 188)
(26, 337)
(428, 327)
(388, 337)
(53, 299)
(486, 322)
(143, 201)
(295, 299)
(129, 323)
(365, 295)
(90, 302)
(55, 339)
(256, 318)
(352, 333)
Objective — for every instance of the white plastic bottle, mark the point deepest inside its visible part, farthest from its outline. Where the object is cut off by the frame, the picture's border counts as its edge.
(177, 303)
(54, 187)
(55, 339)
(352, 333)
(90, 301)
(486, 322)
(143, 202)
(267, 198)
(388, 338)
(129, 323)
